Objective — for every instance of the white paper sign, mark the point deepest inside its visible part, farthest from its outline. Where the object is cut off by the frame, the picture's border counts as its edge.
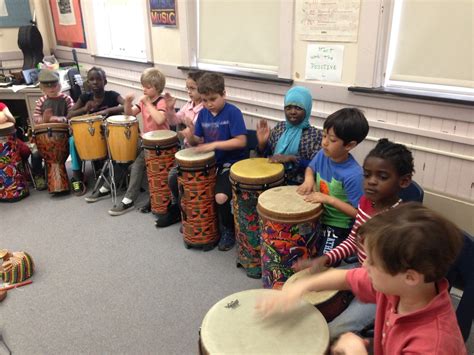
(324, 63)
(3, 8)
(66, 12)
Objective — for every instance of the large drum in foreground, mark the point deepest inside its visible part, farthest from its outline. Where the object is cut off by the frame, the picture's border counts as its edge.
(13, 185)
(122, 138)
(232, 326)
(53, 145)
(160, 148)
(89, 138)
(288, 232)
(197, 183)
(249, 178)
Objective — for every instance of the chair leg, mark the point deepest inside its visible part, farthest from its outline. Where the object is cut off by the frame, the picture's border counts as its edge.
(30, 173)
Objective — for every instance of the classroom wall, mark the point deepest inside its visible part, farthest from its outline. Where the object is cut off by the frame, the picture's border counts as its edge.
(440, 135)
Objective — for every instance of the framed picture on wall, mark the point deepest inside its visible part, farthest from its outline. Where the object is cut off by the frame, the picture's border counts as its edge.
(163, 13)
(68, 24)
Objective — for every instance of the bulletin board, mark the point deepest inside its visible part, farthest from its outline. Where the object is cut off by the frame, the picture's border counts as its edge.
(68, 24)
(14, 13)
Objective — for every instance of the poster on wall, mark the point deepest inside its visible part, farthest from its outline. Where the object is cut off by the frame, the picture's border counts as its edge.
(163, 13)
(324, 63)
(67, 22)
(15, 13)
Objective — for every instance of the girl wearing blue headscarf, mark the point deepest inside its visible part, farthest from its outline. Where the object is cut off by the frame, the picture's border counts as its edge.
(293, 142)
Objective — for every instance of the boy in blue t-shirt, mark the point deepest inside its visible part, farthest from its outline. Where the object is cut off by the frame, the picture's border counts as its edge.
(339, 178)
(220, 128)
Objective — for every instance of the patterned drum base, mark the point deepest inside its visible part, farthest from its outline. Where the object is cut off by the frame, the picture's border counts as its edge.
(13, 185)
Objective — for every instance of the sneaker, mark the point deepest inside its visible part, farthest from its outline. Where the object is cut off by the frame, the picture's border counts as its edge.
(146, 208)
(78, 187)
(227, 240)
(40, 182)
(96, 196)
(172, 216)
(121, 208)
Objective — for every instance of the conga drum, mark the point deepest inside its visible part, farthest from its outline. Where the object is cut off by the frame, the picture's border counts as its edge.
(249, 178)
(197, 182)
(53, 145)
(159, 148)
(232, 326)
(122, 138)
(330, 303)
(13, 185)
(89, 138)
(289, 226)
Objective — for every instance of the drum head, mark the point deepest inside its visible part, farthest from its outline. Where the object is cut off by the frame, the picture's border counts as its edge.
(256, 171)
(119, 119)
(86, 118)
(314, 298)
(237, 329)
(159, 138)
(284, 204)
(7, 128)
(190, 155)
(51, 125)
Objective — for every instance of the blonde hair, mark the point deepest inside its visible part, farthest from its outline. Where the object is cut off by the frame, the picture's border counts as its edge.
(153, 77)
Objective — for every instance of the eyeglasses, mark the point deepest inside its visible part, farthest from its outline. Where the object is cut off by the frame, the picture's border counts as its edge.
(50, 85)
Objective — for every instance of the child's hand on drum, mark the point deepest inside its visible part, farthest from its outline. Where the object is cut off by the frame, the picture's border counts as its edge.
(206, 147)
(282, 158)
(314, 265)
(349, 343)
(316, 197)
(281, 301)
(305, 188)
(47, 115)
(91, 105)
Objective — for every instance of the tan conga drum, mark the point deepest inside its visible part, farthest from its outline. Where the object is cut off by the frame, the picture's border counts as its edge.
(197, 183)
(52, 140)
(89, 138)
(122, 138)
(249, 178)
(13, 185)
(232, 326)
(288, 226)
(159, 147)
(330, 303)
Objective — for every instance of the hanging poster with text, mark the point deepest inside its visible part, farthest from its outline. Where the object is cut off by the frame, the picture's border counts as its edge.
(163, 13)
(324, 63)
(327, 20)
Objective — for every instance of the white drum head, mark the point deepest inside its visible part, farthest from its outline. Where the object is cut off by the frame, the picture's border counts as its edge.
(86, 118)
(284, 200)
(159, 135)
(121, 119)
(190, 154)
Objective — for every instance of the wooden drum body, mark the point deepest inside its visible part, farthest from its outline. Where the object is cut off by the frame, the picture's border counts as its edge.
(197, 183)
(232, 326)
(160, 148)
(89, 137)
(288, 232)
(122, 138)
(249, 178)
(13, 185)
(53, 145)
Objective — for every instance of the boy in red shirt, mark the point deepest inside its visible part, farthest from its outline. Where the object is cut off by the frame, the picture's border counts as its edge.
(409, 251)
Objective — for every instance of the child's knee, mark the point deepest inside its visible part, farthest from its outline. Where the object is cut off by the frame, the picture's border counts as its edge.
(221, 198)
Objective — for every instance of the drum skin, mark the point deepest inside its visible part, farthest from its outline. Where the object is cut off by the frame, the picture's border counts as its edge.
(52, 140)
(197, 182)
(89, 137)
(13, 185)
(289, 227)
(249, 178)
(122, 138)
(232, 326)
(160, 148)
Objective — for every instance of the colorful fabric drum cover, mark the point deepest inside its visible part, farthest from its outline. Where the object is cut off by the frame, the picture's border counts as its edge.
(89, 136)
(13, 185)
(330, 303)
(232, 326)
(289, 226)
(249, 178)
(16, 267)
(160, 148)
(122, 138)
(197, 182)
(52, 140)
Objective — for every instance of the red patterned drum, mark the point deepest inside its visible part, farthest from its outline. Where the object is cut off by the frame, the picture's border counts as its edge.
(53, 145)
(288, 232)
(13, 185)
(160, 148)
(197, 182)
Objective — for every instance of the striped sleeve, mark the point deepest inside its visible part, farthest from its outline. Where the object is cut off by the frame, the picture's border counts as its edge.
(38, 114)
(69, 101)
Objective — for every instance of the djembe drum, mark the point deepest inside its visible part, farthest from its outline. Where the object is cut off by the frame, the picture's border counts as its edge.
(160, 148)
(15, 267)
(249, 178)
(52, 142)
(288, 232)
(122, 138)
(197, 182)
(232, 326)
(89, 137)
(13, 185)
(330, 303)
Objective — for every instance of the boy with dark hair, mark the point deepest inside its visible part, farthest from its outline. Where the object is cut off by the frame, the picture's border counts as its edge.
(220, 128)
(409, 251)
(338, 176)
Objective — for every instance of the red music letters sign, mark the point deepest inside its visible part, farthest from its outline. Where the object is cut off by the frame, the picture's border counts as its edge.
(163, 13)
